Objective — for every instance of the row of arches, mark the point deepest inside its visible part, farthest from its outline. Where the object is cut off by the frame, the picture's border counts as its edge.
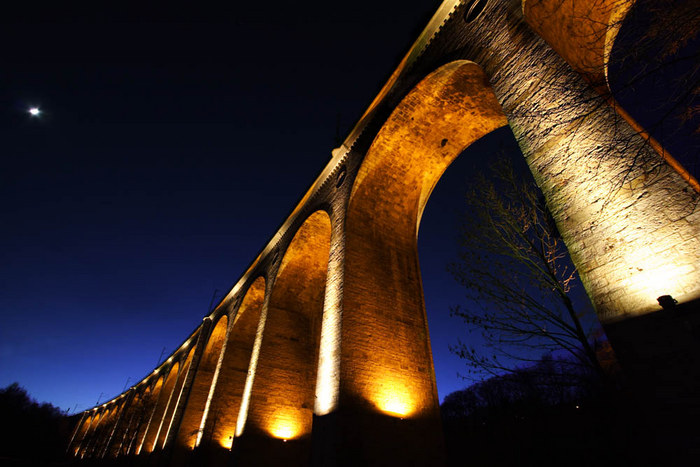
(258, 378)
(275, 388)
(329, 336)
(136, 421)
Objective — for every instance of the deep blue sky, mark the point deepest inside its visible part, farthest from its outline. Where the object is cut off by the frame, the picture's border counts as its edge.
(172, 144)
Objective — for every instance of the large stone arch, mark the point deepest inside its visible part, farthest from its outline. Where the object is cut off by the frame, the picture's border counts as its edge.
(140, 415)
(107, 448)
(132, 419)
(81, 433)
(189, 429)
(220, 426)
(159, 413)
(169, 418)
(118, 445)
(92, 433)
(386, 363)
(105, 430)
(151, 404)
(276, 429)
(85, 431)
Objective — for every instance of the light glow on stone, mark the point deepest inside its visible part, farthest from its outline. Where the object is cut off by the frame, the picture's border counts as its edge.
(284, 427)
(226, 442)
(245, 399)
(327, 379)
(395, 399)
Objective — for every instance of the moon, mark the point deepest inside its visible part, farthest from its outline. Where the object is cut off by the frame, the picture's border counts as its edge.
(34, 111)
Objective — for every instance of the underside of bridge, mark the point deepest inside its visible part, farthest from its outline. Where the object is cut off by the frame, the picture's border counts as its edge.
(320, 354)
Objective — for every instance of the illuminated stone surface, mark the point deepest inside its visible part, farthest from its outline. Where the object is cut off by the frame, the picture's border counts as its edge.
(199, 391)
(320, 353)
(226, 401)
(159, 412)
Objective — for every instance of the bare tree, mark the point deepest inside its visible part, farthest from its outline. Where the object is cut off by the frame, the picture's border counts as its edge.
(517, 277)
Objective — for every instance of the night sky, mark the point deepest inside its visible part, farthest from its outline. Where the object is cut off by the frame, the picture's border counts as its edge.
(171, 145)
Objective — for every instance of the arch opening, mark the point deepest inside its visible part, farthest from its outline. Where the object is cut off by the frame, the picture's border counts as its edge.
(169, 417)
(160, 409)
(189, 430)
(81, 435)
(121, 445)
(384, 314)
(93, 434)
(105, 431)
(282, 398)
(220, 426)
(151, 405)
(109, 448)
(140, 418)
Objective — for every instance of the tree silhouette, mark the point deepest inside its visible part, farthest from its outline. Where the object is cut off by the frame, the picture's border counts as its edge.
(31, 430)
(517, 278)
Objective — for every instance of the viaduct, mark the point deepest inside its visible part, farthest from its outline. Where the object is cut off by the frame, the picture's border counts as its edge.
(320, 355)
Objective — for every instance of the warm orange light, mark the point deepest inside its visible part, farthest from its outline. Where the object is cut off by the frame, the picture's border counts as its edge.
(283, 431)
(394, 398)
(651, 275)
(226, 441)
(285, 426)
(327, 380)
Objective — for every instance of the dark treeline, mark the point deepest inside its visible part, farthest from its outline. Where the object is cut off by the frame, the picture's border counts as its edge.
(552, 413)
(31, 433)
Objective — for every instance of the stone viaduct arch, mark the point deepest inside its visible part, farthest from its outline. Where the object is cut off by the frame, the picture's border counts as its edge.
(168, 381)
(320, 355)
(231, 383)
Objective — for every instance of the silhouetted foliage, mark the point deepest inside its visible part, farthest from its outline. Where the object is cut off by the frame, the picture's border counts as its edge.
(518, 279)
(31, 430)
(533, 416)
(549, 382)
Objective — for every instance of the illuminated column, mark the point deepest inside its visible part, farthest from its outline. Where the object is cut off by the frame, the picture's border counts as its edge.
(631, 223)
(212, 386)
(136, 419)
(114, 423)
(189, 432)
(328, 376)
(82, 436)
(327, 443)
(172, 450)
